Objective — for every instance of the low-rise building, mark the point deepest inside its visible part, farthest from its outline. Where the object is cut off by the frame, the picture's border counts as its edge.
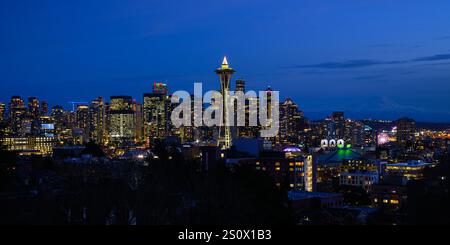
(411, 169)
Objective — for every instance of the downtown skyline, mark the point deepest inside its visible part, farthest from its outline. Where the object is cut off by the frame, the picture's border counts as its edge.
(65, 52)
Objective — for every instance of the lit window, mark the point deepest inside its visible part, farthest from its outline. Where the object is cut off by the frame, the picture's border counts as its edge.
(393, 201)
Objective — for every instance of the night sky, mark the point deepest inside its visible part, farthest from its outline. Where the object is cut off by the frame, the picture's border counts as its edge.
(373, 58)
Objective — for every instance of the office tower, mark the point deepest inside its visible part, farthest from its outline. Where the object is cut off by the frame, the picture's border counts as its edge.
(187, 133)
(356, 133)
(107, 123)
(17, 114)
(97, 121)
(2, 111)
(268, 141)
(338, 130)
(33, 108)
(82, 123)
(122, 125)
(44, 108)
(58, 117)
(240, 85)
(240, 131)
(156, 114)
(406, 128)
(248, 131)
(290, 122)
(224, 136)
(137, 107)
(33, 114)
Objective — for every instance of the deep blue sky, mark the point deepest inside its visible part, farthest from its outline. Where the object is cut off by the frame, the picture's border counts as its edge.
(378, 58)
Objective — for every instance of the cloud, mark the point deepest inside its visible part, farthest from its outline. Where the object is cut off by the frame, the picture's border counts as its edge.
(433, 58)
(348, 64)
(370, 77)
(351, 64)
(435, 64)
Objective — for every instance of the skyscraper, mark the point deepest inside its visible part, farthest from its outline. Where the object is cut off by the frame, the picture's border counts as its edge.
(17, 114)
(34, 114)
(406, 128)
(82, 122)
(240, 85)
(33, 108)
(58, 116)
(138, 114)
(122, 126)
(156, 113)
(224, 137)
(290, 122)
(44, 108)
(338, 130)
(97, 120)
(2, 111)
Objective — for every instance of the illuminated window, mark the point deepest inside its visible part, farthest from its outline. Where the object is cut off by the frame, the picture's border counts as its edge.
(375, 200)
(385, 201)
(393, 201)
(277, 169)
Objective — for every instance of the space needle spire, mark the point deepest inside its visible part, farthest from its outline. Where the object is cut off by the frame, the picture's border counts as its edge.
(224, 138)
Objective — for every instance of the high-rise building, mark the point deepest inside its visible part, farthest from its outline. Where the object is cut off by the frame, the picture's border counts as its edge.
(122, 125)
(224, 137)
(34, 114)
(33, 107)
(44, 108)
(59, 119)
(97, 120)
(137, 107)
(268, 141)
(406, 128)
(290, 122)
(17, 114)
(82, 123)
(240, 85)
(338, 120)
(356, 133)
(2, 111)
(156, 114)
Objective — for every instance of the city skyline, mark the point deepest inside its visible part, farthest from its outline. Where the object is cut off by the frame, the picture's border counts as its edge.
(65, 52)
(183, 113)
